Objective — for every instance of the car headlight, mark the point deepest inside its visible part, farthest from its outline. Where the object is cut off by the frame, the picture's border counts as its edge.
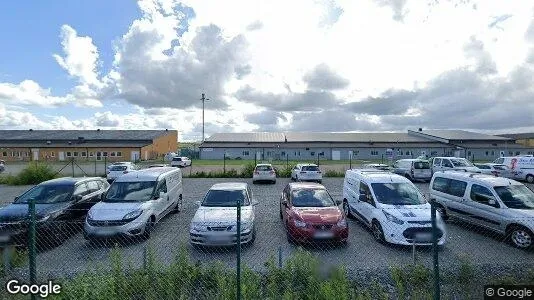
(342, 223)
(246, 226)
(392, 218)
(300, 223)
(133, 214)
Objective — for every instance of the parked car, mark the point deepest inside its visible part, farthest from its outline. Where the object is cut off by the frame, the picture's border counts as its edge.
(499, 204)
(454, 164)
(135, 203)
(496, 170)
(413, 169)
(521, 166)
(264, 172)
(306, 172)
(60, 204)
(215, 221)
(118, 170)
(180, 162)
(2, 166)
(118, 163)
(382, 167)
(309, 213)
(391, 206)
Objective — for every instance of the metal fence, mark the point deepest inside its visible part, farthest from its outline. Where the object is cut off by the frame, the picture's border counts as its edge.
(336, 258)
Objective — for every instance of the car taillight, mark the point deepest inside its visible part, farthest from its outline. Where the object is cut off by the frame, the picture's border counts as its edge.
(272, 172)
(256, 172)
(109, 172)
(318, 172)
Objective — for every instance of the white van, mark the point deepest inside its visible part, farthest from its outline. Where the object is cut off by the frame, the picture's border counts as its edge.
(391, 206)
(134, 203)
(521, 166)
(453, 164)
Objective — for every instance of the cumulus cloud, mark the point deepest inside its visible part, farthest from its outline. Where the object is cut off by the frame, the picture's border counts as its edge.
(397, 6)
(322, 77)
(256, 25)
(484, 63)
(28, 92)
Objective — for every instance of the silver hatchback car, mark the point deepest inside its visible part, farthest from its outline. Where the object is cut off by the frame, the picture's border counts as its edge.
(498, 204)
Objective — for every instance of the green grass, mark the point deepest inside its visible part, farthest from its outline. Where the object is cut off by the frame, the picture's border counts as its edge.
(33, 173)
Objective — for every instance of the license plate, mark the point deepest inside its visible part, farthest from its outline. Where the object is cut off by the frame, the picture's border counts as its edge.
(218, 238)
(323, 235)
(423, 236)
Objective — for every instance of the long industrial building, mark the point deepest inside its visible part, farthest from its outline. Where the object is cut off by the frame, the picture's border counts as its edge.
(359, 145)
(91, 145)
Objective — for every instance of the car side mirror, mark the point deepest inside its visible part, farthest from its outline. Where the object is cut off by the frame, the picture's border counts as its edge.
(363, 197)
(255, 202)
(78, 198)
(161, 195)
(284, 202)
(338, 202)
(492, 202)
(198, 203)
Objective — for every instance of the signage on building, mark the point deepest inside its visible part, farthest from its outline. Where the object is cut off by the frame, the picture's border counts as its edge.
(207, 149)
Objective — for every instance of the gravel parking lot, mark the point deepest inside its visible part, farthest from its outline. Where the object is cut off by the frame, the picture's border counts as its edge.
(362, 252)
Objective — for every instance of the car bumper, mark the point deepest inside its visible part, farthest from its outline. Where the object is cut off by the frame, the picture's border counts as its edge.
(19, 234)
(406, 235)
(264, 177)
(308, 234)
(131, 229)
(219, 238)
(310, 177)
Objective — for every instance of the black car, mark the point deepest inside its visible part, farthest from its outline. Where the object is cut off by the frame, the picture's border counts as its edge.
(60, 205)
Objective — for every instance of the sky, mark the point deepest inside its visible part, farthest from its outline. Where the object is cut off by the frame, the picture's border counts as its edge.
(301, 65)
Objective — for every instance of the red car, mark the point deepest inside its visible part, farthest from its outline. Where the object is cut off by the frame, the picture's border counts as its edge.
(310, 214)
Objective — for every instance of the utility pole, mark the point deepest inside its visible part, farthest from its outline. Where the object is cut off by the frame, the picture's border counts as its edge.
(203, 99)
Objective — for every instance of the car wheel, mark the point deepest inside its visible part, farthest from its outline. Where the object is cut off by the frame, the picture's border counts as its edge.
(179, 204)
(274, 182)
(442, 211)
(521, 237)
(319, 181)
(281, 216)
(530, 178)
(378, 233)
(346, 209)
(149, 226)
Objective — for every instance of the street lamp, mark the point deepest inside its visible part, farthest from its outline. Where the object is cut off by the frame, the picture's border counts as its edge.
(203, 99)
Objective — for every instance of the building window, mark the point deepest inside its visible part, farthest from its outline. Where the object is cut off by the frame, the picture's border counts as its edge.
(487, 154)
(84, 154)
(75, 154)
(4, 154)
(468, 154)
(492, 153)
(91, 154)
(119, 154)
(307, 149)
(112, 154)
(355, 152)
(530, 152)
(433, 153)
(510, 153)
(374, 152)
(297, 153)
(105, 154)
(401, 152)
(69, 154)
(517, 153)
(311, 153)
(283, 154)
(52, 154)
(408, 153)
(245, 153)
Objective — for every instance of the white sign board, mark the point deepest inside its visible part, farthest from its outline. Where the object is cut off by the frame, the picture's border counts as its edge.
(207, 149)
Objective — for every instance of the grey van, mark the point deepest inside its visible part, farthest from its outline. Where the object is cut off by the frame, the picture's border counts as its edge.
(413, 169)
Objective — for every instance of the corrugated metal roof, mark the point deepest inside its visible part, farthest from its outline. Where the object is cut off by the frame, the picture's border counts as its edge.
(75, 144)
(427, 144)
(266, 137)
(460, 135)
(497, 146)
(519, 136)
(63, 135)
(391, 137)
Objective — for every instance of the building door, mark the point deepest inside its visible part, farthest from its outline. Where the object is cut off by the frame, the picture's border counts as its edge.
(336, 155)
(61, 155)
(135, 155)
(99, 155)
(35, 154)
(146, 157)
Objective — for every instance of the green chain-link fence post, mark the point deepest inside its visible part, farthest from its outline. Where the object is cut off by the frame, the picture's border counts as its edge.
(31, 242)
(238, 266)
(435, 249)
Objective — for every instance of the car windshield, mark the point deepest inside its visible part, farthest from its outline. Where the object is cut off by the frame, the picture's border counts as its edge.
(47, 194)
(264, 168)
(516, 196)
(118, 168)
(461, 163)
(421, 165)
(225, 198)
(397, 194)
(311, 198)
(310, 168)
(130, 191)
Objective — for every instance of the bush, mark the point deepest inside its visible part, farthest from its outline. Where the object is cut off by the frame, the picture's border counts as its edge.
(34, 173)
(248, 170)
(333, 173)
(285, 172)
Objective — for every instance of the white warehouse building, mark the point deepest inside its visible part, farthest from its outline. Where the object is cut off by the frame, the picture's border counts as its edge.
(359, 145)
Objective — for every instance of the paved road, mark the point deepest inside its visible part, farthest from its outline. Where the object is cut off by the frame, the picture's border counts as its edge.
(362, 251)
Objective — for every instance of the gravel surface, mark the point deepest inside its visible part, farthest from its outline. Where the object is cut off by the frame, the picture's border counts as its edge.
(361, 253)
